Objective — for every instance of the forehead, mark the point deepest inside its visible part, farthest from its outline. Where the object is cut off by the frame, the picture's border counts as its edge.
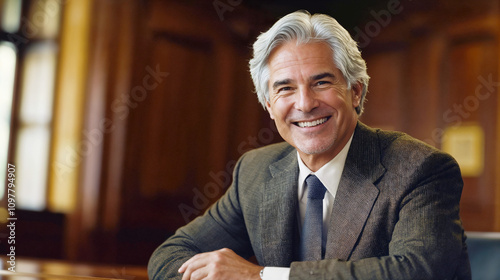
(304, 59)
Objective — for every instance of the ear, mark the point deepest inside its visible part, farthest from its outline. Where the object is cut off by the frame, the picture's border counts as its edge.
(268, 107)
(356, 90)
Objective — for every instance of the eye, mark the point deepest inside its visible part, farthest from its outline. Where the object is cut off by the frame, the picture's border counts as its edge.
(284, 89)
(322, 83)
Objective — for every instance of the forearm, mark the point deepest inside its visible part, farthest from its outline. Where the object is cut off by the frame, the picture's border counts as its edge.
(168, 258)
(220, 227)
(199, 236)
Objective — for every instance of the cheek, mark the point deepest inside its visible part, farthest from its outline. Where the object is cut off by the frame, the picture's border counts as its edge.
(337, 101)
(279, 110)
(343, 98)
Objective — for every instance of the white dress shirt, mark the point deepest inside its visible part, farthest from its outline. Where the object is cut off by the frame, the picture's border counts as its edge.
(329, 174)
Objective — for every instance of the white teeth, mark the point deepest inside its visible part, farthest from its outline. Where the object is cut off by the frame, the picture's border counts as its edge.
(313, 123)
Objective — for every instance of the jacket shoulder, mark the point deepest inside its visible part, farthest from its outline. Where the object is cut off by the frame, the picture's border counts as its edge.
(406, 154)
(400, 144)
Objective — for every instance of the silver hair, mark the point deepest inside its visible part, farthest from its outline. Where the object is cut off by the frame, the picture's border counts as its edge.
(304, 28)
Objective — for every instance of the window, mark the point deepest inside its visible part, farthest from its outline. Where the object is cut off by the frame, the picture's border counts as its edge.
(8, 58)
(29, 40)
(34, 125)
(10, 18)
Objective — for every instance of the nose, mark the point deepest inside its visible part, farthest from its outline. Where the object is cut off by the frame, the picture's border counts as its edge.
(306, 100)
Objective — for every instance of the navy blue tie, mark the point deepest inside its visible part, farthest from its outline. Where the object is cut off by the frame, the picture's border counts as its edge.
(311, 248)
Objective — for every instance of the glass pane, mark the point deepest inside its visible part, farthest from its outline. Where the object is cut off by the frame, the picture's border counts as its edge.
(44, 18)
(31, 169)
(7, 76)
(38, 84)
(10, 15)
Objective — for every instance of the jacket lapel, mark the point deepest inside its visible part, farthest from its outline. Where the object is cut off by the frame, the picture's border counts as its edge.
(278, 218)
(356, 193)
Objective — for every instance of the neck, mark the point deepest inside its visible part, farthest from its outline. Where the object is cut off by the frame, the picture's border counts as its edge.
(315, 161)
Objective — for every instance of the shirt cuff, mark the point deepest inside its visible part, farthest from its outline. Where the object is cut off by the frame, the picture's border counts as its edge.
(276, 273)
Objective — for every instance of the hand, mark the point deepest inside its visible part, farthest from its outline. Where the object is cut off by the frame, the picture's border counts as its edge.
(221, 265)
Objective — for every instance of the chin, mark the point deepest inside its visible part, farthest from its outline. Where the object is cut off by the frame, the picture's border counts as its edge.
(314, 148)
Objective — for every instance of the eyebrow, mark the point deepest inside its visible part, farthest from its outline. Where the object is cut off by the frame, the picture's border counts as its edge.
(281, 82)
(322, 76)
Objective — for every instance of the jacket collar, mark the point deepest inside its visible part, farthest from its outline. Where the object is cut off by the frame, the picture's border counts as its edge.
(278, 220)
(356, 194)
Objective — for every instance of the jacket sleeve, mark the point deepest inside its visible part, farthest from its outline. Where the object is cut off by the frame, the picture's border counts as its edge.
(222, 226)
(427, 241)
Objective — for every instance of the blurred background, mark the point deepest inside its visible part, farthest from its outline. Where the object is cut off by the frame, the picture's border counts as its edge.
(123, 119)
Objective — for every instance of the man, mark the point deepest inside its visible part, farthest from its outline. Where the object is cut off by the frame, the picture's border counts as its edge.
(338, 200)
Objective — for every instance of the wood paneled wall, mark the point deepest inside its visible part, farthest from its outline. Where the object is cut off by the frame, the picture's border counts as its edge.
(438, 69)
(172, 81)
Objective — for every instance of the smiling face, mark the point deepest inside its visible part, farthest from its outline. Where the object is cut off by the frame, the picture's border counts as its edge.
(309, 101)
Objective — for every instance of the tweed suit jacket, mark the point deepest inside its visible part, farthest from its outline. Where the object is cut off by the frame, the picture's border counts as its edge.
(395, 215)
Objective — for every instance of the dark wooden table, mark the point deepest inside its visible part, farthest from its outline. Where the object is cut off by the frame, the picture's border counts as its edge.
(33, 269)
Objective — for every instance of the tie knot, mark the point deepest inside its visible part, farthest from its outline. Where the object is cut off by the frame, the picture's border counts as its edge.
(316, 190)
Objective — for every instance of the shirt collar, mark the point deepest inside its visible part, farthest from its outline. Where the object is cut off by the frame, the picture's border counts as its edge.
(329, 174)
